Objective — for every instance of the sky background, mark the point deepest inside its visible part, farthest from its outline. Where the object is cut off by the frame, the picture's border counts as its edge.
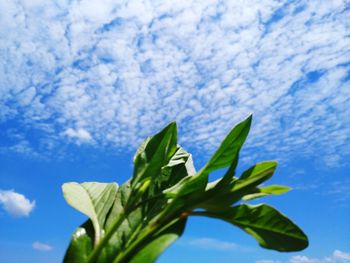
(82, 83)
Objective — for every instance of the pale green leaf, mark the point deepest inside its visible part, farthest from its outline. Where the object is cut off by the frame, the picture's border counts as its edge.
(92, 199)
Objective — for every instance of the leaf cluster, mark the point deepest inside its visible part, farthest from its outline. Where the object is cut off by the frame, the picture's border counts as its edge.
(137, 221)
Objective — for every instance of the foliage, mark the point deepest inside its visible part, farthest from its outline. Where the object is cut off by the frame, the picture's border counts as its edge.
(137, 221)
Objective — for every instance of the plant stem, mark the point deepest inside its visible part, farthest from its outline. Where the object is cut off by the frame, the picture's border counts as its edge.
(156, 226)
(144, 235)
(93, 256)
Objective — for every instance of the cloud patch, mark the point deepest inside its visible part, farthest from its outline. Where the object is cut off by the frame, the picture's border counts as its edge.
(41, 246)
(16, 204)
(336, 257)
(79, 134)
(212, 244)
(208, 243)
(123, 70)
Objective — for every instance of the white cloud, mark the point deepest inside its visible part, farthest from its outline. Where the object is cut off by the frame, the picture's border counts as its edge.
(41, 246)
(16, 204)
(342, 256)
(336, 257)
(80, 134)
(212, 244)
(123, 70)
(208, 243)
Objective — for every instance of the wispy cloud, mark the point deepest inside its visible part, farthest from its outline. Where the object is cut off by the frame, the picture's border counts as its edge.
(213, 244)
(122, 70)
(41, 246)
(79, 134)
(16, 204)
(340, 191)
(336, 257)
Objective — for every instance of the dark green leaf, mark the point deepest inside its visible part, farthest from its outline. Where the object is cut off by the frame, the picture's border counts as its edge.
(188, 185)
(153, 154)
(180, 165)
(81, 244)
(154, 248)
(255, 175)
(224, 195)
(145, 209)
(230, 147)
(269, 227)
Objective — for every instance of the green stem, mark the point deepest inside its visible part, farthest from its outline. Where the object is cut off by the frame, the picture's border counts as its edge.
(144, 235)
(93, 256)
(145, 201)
(156, 226)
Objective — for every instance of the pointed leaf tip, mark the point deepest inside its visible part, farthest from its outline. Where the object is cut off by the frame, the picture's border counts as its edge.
(268, 226)
(230, 147)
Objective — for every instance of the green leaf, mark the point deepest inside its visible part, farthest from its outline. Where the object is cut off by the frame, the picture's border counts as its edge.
(269, 227)
(163, 240)
(265, 191)
(180, 165)
(188, 185)
(139, 220)
(221, 196)
(153, 154)
(125, 229)
(190, 181)
(81, 244)
(226, 155)
(230, 147)
(92, 199)
(146, 207)
(255, 175)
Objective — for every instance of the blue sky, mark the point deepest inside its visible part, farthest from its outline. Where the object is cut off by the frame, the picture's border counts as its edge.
(82, 83)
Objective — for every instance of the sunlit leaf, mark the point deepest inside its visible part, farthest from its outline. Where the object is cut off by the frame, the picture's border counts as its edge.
(92, 199)
(265, 191)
